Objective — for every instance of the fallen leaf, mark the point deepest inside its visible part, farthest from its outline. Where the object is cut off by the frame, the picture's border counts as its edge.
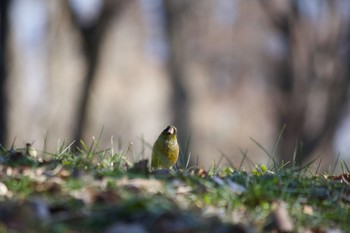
(279, 220)
(147, 185)
(308, 210)
(3, 189)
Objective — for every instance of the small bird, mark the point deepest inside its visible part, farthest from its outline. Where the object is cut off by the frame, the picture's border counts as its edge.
(30, 150)
(166, 149)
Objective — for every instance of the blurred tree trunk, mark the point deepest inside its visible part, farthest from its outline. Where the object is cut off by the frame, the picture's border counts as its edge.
(312, 82)
(4, 8)
(92, 35)
(174, 12)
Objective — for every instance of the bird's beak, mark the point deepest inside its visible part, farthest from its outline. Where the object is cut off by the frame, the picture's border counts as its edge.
(171, 130)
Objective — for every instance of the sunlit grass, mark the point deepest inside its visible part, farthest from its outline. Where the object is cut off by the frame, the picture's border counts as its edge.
(89, 188)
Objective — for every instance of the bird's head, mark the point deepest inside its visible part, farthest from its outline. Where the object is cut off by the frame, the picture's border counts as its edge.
(169, 132)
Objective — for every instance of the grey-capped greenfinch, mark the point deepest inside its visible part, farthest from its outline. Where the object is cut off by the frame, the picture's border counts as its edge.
(165, 150)
(31, 151)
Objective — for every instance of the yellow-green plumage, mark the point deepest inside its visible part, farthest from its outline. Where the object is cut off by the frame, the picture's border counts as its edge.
(166, 149)
(30, 151)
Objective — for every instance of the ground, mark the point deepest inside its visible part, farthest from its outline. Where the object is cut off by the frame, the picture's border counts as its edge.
(98, 190)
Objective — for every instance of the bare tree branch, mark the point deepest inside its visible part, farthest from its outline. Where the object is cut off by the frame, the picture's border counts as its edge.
(92, 35)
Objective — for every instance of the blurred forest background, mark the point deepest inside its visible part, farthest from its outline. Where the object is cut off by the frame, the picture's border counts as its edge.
(225, 72)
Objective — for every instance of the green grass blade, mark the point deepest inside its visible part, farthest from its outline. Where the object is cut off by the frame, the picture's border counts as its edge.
(278, 140)
(266, 152)
(335, 164)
